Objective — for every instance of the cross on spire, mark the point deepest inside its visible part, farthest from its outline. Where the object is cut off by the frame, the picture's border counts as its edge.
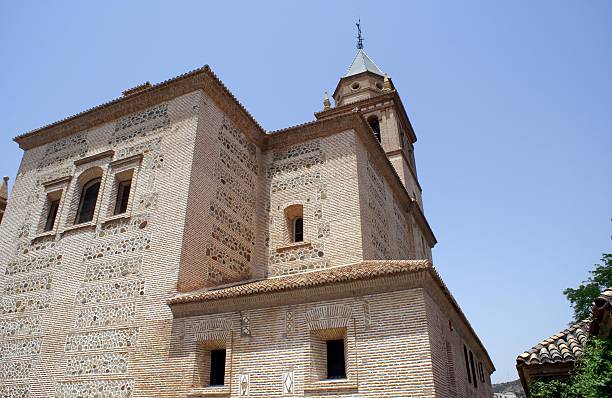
(359, 37)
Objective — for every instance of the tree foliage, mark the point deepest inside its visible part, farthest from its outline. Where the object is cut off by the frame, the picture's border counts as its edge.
(592, 373)
(591, 377)
(582, 297)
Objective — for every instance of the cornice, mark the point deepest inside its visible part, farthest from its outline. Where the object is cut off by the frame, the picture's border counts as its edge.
(363, 278)
(199, 79)
(392, 95)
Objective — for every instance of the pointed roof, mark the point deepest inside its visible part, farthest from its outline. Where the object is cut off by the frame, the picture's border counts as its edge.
(362, 63)
(4, 189)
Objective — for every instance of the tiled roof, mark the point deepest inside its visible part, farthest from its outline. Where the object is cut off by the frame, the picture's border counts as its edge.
(347, 273)
(358, 271)
(562, 347)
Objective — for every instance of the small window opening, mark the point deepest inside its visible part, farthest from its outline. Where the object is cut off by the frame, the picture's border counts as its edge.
(51, 214)
(123, 196)
(473, 369)
(298, 229)
(467, 364)
(87, 202)
(294, 216)
(217, 367)
(336, 367)
(375, 125)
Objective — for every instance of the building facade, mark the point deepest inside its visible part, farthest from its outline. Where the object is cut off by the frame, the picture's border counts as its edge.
(164, 245)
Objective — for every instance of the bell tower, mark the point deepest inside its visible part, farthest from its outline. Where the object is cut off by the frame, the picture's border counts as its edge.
(365, 88)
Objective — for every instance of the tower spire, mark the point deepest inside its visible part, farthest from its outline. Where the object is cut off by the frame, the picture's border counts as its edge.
(359, 37)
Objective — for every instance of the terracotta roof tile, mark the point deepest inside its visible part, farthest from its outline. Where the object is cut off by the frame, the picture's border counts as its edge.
(359, 271)
(353, 272)
(562, 347)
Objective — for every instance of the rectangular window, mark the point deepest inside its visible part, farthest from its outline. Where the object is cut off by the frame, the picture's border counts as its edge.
(51, 214)
(473, 369)
(123, 196)
(336, 367)
(467, 364)
(217, 367)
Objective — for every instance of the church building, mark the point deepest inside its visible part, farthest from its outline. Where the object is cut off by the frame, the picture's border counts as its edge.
(164, 244)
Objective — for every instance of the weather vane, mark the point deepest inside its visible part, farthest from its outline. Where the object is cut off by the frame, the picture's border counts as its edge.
(359, 37)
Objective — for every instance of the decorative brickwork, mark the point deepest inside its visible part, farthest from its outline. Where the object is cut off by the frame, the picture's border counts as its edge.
(62, 150)
(302, 180)
(15, 391)
(328, 317)
(28, 284)
(19, 348)
(102, 388)
(300, 253)
(134, 244)
(33, 263)
(98, 364)
(114, 290)
(123, 225)
(109, 315)
(18, 327)
(24, 303)
(153, 145)
(15, 370)
(212, 329)
(98, 271)
(106, 339)
(377, 204)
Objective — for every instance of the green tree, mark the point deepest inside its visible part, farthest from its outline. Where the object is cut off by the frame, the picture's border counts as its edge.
(582, 297)
(592, 373)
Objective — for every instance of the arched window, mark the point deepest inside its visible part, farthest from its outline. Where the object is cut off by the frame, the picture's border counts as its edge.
(375, 124)
(295, 222)
(298, 229)
(87, 201)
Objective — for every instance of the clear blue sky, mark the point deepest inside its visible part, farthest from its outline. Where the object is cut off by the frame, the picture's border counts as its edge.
(511, 102)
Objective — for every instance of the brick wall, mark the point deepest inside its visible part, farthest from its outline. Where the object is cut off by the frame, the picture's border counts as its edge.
(321, 177)
(387, 346)
(82, 309)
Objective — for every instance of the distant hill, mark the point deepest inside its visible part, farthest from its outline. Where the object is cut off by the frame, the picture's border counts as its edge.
(510, 386)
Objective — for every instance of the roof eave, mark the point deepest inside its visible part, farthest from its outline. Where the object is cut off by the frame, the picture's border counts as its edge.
(201, 78)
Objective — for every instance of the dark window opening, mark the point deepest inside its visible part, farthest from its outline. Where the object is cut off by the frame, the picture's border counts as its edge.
(336, 367)
(51, 215)
(473, 370)
(217, 367)
(375, 124)
(123, 196)
(87, 204)
(467, 364)
(298, 229)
